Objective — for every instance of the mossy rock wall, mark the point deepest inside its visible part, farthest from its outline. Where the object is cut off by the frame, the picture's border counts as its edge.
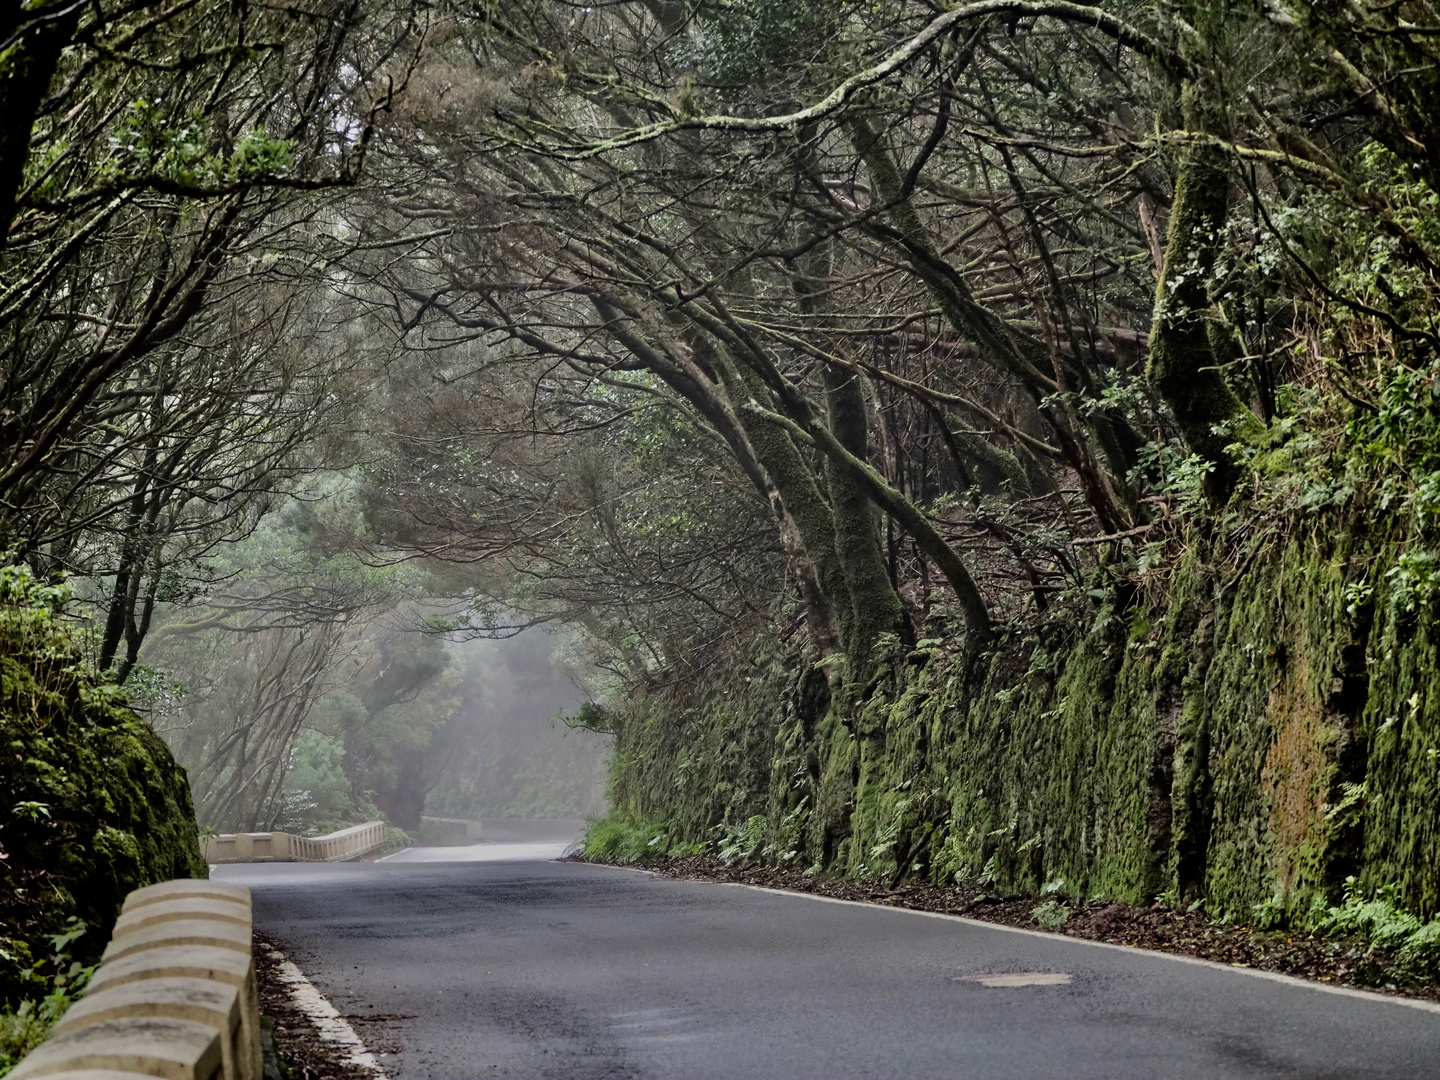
(1253, 734)
(92, 805)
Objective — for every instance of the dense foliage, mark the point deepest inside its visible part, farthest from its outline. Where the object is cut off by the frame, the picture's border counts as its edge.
(93, 804)
(916, 315)
(1092, 348)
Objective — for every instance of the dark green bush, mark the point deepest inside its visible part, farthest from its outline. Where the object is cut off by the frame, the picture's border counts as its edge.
(92, 805)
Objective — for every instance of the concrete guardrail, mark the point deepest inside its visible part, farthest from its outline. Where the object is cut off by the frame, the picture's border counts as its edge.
(286, 847)
(174, 996)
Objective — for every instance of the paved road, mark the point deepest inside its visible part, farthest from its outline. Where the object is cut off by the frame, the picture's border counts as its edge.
(572, 972)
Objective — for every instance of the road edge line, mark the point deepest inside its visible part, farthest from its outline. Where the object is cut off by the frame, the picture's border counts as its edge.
(1272, 976)
(329, 1024)
(1181, 958)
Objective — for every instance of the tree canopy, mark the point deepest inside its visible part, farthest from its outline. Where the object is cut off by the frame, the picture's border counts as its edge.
(681, 322)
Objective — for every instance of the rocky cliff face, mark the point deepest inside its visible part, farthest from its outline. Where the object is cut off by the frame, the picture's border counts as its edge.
(1248, 731)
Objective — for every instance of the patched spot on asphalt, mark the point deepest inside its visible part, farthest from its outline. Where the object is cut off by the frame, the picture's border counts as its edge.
(1018, 978)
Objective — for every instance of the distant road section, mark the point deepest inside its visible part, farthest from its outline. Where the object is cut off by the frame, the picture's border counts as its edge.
(483, 852)
(512, 967)
(504, 840)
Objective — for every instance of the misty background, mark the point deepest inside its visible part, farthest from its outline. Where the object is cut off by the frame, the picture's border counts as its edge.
(517, 760)
(287, 719)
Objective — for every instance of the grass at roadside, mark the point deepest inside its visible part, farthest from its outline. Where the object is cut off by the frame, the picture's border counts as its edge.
(624, 839)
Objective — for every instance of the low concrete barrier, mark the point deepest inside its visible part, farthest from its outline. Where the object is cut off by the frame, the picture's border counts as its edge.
(174, 996)
(286, 847)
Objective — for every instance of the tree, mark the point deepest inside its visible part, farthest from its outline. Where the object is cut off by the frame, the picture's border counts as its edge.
(159, 263)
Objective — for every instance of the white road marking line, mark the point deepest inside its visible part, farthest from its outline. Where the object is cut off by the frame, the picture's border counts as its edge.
(1234, 969)
(328, 1022)
(391, 855)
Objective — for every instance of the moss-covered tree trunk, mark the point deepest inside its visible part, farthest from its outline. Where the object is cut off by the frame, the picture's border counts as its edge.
(875, 607)
(798, 488)
(1184, 365)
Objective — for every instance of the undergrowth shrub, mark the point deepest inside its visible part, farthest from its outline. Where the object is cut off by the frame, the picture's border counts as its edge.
(1418, 960)
(1402, 947)
(56, 982)
(743, 842)
(1052, 914)
(1380, 920)
(622, 838)
(1378, 917)
(396, 839)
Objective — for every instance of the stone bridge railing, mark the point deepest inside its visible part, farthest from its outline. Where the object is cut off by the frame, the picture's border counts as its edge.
(174, 996)
(286, 847)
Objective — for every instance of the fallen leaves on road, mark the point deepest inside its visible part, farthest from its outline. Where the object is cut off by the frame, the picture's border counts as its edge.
(306, 1055)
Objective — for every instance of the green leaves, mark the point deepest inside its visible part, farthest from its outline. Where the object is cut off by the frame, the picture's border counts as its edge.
(1414, 579)
(742, 841)
(258, 154)
(150, 142)
(31, 810)
(591, 716)
(26, 1025)
(1051, 915)
(622, 838)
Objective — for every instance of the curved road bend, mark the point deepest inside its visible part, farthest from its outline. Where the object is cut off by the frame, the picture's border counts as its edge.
(513, 966)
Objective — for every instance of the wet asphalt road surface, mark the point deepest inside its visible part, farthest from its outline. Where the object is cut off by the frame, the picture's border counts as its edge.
(567, 971)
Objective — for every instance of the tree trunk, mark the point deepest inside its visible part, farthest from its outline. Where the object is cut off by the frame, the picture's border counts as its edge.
(1183, 365)
(26, 68)
(798, 488)
(875, 607)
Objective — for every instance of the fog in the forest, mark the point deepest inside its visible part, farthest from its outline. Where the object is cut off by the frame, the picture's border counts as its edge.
(519, 761)
(311, 728)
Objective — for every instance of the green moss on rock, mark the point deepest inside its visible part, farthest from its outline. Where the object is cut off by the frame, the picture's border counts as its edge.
(1251, 735)
(92, 805)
